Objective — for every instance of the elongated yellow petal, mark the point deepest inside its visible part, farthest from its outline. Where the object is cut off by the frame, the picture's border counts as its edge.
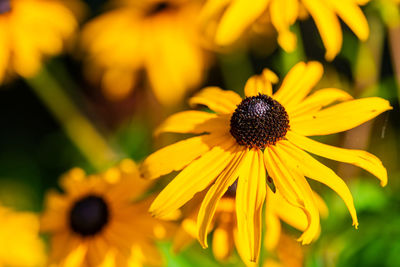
(292, 215)
(194, 178)
(286, 166)
(315, 170)
(260, 84)
(300, 82)
(237, 18)
(222, 242)
(283, 15)
(317, 101)
(212, 8)
(216, 99)
(176, 156)
(353, 16)
(214, 194)
(193, 121)
(328, 26)
(340, 117)
(273, 225)
(359, 158)
(250, 196)
(286, 186)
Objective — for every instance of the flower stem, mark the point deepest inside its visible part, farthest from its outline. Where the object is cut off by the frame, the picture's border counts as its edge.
(77, 127)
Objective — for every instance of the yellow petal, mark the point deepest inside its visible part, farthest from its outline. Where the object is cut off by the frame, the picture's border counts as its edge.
(217, 190)
(299, 83)
(250, 196)
(222, 242)
(4, 50)
(328, 26)
(212, 8)
(313, 169)
(359, 158)
(216, 99)
(237, 18)
(181, 240)
(283, 15)
(317, 101)
(193, 121)
(260, 84)
(194, 178)
(292, 215)
(176, 156)
(287, 168)
(290, 80)
(340, 117)
(353, 16)
(273, 225)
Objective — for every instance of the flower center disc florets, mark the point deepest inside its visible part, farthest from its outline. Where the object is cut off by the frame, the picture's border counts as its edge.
(259, 121)
(89, 215)
(5, 6)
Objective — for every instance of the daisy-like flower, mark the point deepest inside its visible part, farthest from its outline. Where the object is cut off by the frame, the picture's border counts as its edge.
(229, 19)
(30, 30)
(264, 132)
(20, 244)
(96, 221)
(155, 37)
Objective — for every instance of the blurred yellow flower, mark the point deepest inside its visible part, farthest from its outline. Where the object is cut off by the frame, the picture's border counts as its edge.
(263, 132)
(230, 19)
(95, 222)
(20, 244)
(30, 30)
(152, 37)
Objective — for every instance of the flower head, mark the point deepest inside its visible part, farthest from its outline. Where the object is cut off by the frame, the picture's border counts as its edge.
(214, 160)
(20, 244)
(154, 37)
(234, 17)
(102, 219)
(30, 30)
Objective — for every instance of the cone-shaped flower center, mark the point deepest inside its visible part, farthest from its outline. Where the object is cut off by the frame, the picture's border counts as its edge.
(259, 121)
(5, 6)
(89, 215)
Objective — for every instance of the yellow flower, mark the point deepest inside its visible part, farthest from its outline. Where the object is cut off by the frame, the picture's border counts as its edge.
(263, 132)
(95, 222)
(235, 17)
(156, 36)
(225, 227)
(20, 244)
(29, 30)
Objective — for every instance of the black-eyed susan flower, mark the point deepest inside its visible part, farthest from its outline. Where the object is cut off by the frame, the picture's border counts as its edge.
(265, 132)
(153, 37)
(20, 244)
(102, 219)
(30, 30)
(229, 19)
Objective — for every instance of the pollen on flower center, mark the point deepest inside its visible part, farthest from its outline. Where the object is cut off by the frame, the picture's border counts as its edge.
(5, 6)
(259, 121)
(89, 215)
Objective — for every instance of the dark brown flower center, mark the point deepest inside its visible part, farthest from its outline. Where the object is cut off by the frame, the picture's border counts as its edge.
(5, 6)
(259, 121)
(89, 215)
(159, 8)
